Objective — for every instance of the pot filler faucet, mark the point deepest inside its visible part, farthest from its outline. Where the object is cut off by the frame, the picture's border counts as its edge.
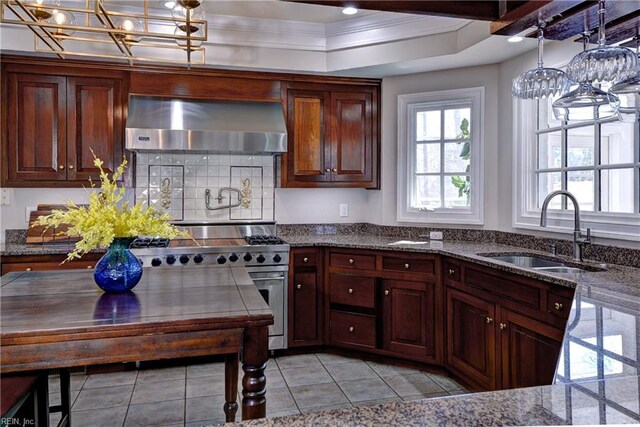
(578, 238)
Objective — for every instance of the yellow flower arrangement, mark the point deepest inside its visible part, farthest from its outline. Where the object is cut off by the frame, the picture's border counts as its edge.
(106, 217)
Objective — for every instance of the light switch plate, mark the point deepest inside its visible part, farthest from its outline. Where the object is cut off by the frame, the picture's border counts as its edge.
(344, 209)
(435, 235)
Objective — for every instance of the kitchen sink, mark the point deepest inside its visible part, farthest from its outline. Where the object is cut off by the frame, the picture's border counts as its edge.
(526, 261)
(562, 269)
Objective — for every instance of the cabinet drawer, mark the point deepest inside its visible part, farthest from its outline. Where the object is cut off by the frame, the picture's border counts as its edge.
(452, 272)
(304, 259)
(352, 290)
(504, 286)
(362, 262)
(408, 265)
(349, 328)
(559, 305)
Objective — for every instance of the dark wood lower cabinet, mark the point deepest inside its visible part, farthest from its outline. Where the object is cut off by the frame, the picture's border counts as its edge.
(471, 348)
(306, 298)
(409, 325)
(530, 350)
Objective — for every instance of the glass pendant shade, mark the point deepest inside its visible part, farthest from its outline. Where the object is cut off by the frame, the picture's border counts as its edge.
(586, 102)
(41, 13)
(540, 82)
(604, 63)
(129, 24)
(61, 17)
(180, 15)
(183, 42)
(628, 92)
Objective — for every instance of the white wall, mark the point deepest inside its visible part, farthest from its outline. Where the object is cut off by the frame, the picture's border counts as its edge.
(321, 205)
(382, 203)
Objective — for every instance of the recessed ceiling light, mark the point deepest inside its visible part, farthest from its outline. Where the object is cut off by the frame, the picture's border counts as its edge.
(169, 4)
(515, 39)
(349, 10)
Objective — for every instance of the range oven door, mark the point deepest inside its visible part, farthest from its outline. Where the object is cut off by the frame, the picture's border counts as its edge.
(272, 285)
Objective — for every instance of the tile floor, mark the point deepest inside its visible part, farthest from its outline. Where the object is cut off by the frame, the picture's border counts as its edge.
(193, 395)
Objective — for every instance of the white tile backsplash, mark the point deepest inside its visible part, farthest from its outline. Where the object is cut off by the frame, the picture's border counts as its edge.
(192, 174)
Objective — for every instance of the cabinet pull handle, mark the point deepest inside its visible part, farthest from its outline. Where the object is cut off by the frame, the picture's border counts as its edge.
(71, 167)
(334, 170)
(386, 291)
(451, 272)
(558, 306)
(350, 260)
(406, 266)
(489, 319)
(350, 290)
(27, 269)
(298, 286)
(327, 170)
(89, 267)
(61, 167)
(503, 326)
(351, 329)
(305, 259)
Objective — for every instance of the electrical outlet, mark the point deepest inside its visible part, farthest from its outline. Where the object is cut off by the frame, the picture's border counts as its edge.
(5, 197)
(435, 235)
(28, 210)
(344, 209)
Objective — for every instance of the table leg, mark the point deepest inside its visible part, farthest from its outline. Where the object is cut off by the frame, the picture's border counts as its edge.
(42, 400)
(254, 361)
(65, 396)
(231, 386)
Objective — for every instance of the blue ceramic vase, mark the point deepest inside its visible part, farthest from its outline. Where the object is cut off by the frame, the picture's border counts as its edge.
(118, 270)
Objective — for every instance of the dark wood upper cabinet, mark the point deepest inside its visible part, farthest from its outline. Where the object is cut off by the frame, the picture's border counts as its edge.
(95, 123)
(333, 136)
(35, 131)
(54, 117)
(409, 317)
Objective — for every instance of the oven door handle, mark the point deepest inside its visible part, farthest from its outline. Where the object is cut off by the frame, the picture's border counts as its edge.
(264, 279)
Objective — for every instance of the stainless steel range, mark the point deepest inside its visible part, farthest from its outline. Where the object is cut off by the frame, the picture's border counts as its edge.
(254, 246)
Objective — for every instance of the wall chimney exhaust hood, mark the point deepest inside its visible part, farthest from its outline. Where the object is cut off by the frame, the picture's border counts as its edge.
(179, 125)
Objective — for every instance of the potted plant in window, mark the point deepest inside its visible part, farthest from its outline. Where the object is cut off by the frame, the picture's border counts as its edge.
(108, 221)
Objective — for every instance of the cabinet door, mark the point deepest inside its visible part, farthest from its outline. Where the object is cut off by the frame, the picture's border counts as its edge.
(352, 148)
(409, 317)
(471, 348)
(530, 350)
(36, 133)
(95, 122)
(304, 293)
(307, 112)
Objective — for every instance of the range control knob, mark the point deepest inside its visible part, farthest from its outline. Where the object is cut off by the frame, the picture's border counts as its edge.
(198, 259)
(247, 257)
(156, 262)
(260, 258)
(221, 259)
(184, 259)
(233, 257)
(277, 258)
(171, 259)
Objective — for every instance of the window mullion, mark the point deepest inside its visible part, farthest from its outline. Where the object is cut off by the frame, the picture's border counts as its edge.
(442, 158)
(564, 149)
(597, 146)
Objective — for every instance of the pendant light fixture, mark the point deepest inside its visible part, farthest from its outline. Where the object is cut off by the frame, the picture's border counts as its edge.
(628, 91)
(540, 82)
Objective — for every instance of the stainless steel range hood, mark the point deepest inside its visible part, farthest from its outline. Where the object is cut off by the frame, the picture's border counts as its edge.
(178, 125)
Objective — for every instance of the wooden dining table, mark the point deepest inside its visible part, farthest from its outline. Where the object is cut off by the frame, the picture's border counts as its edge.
(61, 319)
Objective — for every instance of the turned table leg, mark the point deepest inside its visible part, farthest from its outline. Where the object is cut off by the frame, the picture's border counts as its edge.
(231, 386)
(254, 361)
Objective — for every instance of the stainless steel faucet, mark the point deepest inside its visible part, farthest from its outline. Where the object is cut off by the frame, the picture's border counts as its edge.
(579, 239)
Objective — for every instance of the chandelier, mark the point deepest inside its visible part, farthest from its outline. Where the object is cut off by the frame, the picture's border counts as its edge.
(113, 29)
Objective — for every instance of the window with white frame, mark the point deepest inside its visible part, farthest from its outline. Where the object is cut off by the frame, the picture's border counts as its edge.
(597, 161)
(440, 156)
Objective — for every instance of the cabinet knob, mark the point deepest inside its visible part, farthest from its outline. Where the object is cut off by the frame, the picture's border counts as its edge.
(386, 291)
(351, 329)
(70, 166)
(406, 266)
(89, 267)
(334, 170)
(503, 326)
(451, 272)
(27, 269)
(350, 260)
(489, 319)
(298, 286)
(558, 306)
(305, 259)
(350, 290)
(327, 170)
(61, 167)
